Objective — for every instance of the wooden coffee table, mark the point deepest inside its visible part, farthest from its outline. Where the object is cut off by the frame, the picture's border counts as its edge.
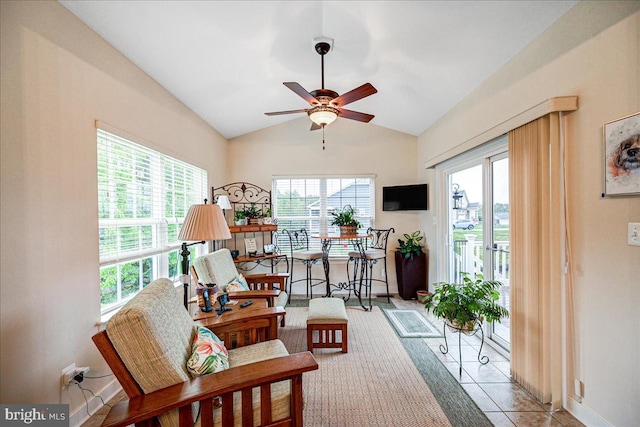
(228, 325)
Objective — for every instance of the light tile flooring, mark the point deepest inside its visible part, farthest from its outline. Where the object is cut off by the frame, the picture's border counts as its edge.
(504, 402)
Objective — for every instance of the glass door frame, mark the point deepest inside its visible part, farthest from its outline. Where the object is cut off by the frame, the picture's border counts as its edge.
(477, 156)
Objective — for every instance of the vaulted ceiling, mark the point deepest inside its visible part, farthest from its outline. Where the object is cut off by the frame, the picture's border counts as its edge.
(227, 60)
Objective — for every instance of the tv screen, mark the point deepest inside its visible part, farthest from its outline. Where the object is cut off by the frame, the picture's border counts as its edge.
(405, 198)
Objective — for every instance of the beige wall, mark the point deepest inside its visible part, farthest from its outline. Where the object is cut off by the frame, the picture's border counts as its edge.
(58, 77)
(351, 148)
(579, 56)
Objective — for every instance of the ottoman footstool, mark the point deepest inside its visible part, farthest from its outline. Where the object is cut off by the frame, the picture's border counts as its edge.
(327, 316)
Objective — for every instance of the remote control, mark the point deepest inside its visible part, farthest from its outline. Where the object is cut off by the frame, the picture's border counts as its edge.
(244, 304)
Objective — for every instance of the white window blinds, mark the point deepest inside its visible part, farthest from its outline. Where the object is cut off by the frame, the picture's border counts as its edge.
(143, 196)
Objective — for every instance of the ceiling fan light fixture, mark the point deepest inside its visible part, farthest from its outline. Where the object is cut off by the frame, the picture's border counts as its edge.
(323, 115)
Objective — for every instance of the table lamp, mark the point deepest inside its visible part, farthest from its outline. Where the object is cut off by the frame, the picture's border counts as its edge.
(203, 222)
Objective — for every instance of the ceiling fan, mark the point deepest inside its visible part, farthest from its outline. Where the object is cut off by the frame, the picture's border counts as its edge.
(326, 105)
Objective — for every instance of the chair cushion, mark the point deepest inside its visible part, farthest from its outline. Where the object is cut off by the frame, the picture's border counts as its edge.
(153, 334)
(306, 255)
(327, 311)
(208, 354)
(369, 254)
(281, 300)
(216, 267)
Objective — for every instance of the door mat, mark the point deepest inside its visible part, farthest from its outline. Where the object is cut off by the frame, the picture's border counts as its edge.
(411, 324)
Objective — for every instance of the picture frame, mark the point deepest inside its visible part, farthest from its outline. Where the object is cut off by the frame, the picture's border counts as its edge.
(250, 245)
(622, 156)
(269, 249)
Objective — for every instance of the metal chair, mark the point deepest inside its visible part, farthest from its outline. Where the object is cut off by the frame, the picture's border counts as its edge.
(376, 250)
(299, 246)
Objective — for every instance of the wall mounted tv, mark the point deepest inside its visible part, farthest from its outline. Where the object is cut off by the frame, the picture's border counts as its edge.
(405, 198)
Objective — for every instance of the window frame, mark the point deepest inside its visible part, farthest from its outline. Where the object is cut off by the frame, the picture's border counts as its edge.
(159, 244)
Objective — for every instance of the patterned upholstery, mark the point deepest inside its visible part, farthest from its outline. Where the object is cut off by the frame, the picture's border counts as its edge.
(153, 334)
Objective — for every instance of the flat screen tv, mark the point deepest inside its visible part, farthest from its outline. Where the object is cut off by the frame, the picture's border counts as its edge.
(405, 198)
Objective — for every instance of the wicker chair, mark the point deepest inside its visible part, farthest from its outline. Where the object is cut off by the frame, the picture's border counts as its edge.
(147, 345)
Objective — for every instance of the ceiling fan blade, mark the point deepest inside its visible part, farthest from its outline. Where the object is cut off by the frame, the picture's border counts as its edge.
(315, 126)
(358, 93)
(279, 113)
(302, 92)
(355, 115)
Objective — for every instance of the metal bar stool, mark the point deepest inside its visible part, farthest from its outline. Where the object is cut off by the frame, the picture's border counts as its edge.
(299, 244)
(376, 250)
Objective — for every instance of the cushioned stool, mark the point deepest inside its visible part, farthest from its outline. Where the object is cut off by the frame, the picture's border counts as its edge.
(327, 316)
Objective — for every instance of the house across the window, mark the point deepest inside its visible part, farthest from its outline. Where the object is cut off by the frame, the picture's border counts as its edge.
(143, 197)
(303, 202)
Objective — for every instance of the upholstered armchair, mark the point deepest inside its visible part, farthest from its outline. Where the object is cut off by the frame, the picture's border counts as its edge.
(218, 267)
(148, 344)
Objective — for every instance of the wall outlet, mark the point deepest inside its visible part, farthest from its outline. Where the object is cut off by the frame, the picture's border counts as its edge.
(67, 374)
(578, 388)
(633, 234)
(384, 273)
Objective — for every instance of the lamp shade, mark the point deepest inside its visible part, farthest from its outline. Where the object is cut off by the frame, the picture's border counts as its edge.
(204, 222)
(323, 115)
(223, 202)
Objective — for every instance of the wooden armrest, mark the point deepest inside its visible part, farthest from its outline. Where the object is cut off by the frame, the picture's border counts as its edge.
(262, 293)
(266, 276)
(236, 329)
(147, 406)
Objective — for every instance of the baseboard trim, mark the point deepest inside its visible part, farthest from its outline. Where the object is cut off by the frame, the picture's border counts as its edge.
(80, 416)
(585, 415)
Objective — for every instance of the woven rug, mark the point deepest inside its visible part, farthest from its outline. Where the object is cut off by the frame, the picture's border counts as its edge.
(374, 384)
(411, 324)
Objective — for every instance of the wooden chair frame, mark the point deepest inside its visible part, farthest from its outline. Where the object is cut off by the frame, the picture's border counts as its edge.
(142, 409)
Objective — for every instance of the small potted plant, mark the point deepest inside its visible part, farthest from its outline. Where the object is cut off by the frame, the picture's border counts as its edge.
(239, 218)
(411, 266)
(345, 218)
(268, 218)
(252, 213)
(461, 306)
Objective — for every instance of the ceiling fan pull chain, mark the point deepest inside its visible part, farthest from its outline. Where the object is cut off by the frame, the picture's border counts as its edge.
(322, 137)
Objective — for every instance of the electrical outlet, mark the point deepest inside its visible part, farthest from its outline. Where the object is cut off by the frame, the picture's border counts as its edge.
(633, 234)
(578, 388)
(384, 273)
(68, 373)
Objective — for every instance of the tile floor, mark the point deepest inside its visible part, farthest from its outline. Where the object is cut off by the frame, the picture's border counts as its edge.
(504, 402)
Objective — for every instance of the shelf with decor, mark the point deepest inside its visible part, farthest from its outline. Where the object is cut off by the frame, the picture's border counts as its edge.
(248, 202)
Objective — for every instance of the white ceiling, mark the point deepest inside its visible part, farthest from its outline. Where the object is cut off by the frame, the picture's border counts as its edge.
(226, 60)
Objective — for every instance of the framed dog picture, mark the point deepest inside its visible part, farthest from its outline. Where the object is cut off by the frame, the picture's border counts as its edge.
(622, 156)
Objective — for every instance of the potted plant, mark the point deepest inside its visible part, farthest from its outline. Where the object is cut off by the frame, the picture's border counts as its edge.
(252, 213)
(411, 266)
(345, 218)
(239, 218)
(268, 218)
(463, 305)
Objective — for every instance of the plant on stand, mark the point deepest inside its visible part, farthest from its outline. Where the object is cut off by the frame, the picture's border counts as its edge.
(345, 218)
(252, 213)
(239, 218)
(463, 305)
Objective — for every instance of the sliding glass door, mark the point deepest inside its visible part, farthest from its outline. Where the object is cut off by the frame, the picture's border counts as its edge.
(477, 221)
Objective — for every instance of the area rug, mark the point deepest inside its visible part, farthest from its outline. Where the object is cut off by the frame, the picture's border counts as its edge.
(411, 324)
(374, 384)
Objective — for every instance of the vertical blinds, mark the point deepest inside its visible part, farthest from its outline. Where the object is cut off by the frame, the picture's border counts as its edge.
(143, 197)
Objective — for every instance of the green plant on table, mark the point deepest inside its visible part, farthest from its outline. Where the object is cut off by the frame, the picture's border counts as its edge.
(238, 215)
(461, 305)
(411, 247)
(345, 217)
(252, 211)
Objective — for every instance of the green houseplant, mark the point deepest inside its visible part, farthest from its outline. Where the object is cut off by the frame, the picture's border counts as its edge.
(252, 213)
(411, 266)
(239, 218)
(345, 218)
(462, 305)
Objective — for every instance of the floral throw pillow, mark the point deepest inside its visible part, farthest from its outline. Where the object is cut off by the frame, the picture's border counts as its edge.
(208, 354)
(238, 284)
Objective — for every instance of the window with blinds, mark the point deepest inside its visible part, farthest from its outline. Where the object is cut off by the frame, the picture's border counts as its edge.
(308, 202)
(143, 197)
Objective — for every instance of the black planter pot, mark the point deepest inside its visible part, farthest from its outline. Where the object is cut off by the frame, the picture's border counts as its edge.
(411, 275)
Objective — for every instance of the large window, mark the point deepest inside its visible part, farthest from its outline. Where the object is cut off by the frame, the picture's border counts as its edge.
(308, 203)
(143, 197)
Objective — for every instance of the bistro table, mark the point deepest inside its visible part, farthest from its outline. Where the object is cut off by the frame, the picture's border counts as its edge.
(357, 241)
